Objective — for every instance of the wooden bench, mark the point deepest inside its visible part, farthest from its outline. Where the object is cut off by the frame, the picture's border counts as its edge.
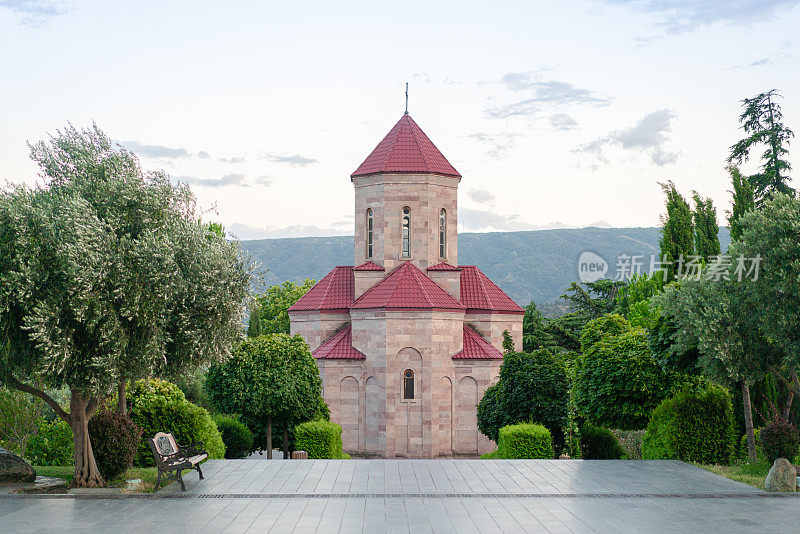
(172, 459)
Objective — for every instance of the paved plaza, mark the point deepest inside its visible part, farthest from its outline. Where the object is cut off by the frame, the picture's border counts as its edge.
(422, 496)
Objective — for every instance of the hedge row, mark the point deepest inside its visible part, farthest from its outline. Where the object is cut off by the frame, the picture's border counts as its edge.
(320, 439)
(525, 440)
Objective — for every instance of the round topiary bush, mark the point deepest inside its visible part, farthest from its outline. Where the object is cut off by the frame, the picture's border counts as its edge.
(599, 443)
(618, 382)
(160, 406)
(693, 426)
(608, 325)
(115, 440)
(320, 439)
(237, 437)
(52, 444)
(525, 441)
(779, 439)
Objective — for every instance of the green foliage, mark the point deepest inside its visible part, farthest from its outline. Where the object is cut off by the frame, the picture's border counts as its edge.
(115, 441)
(596, 330)
(633, 299)
(160, 406)
(490, 412)
(618, 382)
(706, 229)
(19, 419)
(566, 331)
(743, 201)
(275, 302)
(532, 387)
(525, 440)
(52, 444)
(676, 229)
(762, 122)
(779, 439)
(693, 426)
(254, 324)
(494, 455)
(534, 330)
(508, 342)
(320, 439)
(599, 443)
(591, 300)
(192, 385)
(743, 452)
(269, 380)
(237, 437)
(631, 442)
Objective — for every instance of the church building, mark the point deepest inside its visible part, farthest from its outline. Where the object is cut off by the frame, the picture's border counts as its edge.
(408, 340)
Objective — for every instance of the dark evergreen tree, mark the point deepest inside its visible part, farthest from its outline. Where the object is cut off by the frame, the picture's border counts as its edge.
(762, 121)
(677, 231)
(743, 201)
(706, 229)
(254, 325)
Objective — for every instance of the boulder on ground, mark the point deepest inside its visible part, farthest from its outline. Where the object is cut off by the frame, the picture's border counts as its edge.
(782, 476)
(15, 469)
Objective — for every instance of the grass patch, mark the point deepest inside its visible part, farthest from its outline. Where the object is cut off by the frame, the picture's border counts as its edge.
(750, 474)
(148, 475)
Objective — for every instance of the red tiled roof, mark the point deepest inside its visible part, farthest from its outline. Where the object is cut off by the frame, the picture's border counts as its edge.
(407, 288)
(368, 266)
(335, 292)
(444, 266)
(478, 293)
(477, 348)
(406, 149)
(339, 346)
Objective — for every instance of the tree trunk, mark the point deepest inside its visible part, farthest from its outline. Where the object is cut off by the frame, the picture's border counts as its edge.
(748, 423)
(86, 472)
(269, 438)
(122, 403)
(286, 454)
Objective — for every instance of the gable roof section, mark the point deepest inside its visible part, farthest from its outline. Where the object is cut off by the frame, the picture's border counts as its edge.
(406, 149)
(407, 288)
(339, 347)
(477, 348)
(368, 266)
(333, 293)
(444, 266)
(479, 294)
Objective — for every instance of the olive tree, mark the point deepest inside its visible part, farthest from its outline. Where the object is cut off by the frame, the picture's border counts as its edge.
(106, 274)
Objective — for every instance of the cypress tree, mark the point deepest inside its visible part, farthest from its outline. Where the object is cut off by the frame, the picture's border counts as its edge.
(677, 232)
(254, 325)
(743, 201)
(706, 229)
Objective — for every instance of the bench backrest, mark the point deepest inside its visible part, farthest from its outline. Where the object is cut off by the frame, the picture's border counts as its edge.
(164, 444)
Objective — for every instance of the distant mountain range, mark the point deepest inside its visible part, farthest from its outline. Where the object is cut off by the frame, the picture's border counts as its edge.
(529, 266)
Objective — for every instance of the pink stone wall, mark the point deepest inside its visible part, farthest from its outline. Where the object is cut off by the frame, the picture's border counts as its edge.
(316, 327)
(492, 325)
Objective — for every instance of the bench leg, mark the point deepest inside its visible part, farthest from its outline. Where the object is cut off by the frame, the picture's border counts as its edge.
(180, 479)
(200, 472)
(158, 480)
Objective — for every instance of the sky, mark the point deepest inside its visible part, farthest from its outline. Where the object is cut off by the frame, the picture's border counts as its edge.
(557, 114)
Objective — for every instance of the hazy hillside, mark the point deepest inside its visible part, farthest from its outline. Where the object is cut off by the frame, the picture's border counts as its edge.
(527, 265)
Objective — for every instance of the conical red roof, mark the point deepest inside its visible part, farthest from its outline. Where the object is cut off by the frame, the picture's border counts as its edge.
(480, 294)
(339, 346)
(406, 149)
(477, 348)
(407, 288)
(333, 293)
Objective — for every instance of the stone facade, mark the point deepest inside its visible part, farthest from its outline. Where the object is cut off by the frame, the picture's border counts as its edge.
(413, 334)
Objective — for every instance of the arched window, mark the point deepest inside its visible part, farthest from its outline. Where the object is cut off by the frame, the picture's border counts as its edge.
(406, 248)
(408, 385)
(443, 234)
(369, 233)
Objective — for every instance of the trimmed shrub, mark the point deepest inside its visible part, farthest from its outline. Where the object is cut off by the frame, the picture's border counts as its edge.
(693, 426)
(320, 439)
(525, 440)
(115, 441)
(532, 387)
(779, 439)
(160, 406)
(237, 437)
(52, 444)
(618, 382)
(599, 444)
